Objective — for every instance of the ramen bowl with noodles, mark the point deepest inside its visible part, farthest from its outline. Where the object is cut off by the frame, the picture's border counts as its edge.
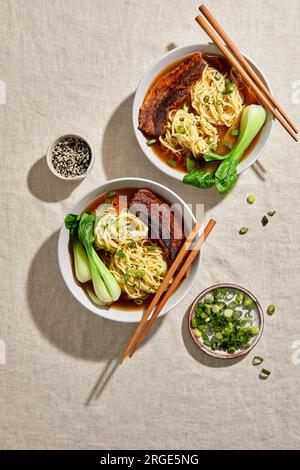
(124, 243)
(206, 118)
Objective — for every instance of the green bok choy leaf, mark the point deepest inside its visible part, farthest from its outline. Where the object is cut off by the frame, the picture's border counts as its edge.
(105, 285)
(252, 119)
(81, 262)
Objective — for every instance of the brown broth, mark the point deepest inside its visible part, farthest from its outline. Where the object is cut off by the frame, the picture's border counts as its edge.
(165, 155)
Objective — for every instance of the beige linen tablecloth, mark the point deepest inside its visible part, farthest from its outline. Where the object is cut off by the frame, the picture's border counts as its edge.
(71, 65)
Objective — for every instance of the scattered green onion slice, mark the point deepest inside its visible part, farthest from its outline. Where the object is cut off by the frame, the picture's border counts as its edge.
(151, 248)
(265, 373)
(228, 82)
(172, 163)
(257, 360)
(271, 309)
(206, 99)
(219, 102)
(218, 75)
(234, 132)
(151, 141)
(111, 193)
(243, 230)
(251, 199)
(120, 254)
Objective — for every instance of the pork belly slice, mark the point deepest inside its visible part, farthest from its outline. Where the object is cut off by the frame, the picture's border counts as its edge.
(167, 93)
(162, 224)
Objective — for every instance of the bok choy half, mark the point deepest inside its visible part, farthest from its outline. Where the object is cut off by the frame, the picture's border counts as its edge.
(106, 288)
(81, 262)
(252, 119)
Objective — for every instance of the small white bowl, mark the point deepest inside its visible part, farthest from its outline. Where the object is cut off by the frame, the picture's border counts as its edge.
(50, 152)
(113, 313)
(150, 76)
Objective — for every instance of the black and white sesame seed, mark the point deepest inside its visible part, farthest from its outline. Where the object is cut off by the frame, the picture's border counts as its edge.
(71, 157)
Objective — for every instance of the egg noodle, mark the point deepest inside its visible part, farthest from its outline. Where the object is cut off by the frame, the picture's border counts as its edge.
(136, 262)
(213, 105)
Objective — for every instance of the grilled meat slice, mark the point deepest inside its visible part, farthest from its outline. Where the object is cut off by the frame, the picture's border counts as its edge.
(167, 93)
(163, 227)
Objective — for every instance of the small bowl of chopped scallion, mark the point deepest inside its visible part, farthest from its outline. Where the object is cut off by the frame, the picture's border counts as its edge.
(70, 157)
(226, 321)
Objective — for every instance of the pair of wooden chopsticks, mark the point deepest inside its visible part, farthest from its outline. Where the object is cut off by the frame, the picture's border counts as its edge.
(235, 58)
(162, 296)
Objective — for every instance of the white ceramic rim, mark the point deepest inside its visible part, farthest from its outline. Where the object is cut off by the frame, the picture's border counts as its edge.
(148, 79)
(49, 157)
(66, 268)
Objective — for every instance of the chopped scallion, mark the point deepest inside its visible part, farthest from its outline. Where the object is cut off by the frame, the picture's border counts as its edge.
(190, 164)
(151, 141)
(181, 129)
(172, 163)
(227, 92)
(264, 373)
(228, 145)
(234, 132)
(257, 360)
(206, 99)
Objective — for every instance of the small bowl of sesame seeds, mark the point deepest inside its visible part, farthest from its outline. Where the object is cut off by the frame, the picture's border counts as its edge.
(70, 157)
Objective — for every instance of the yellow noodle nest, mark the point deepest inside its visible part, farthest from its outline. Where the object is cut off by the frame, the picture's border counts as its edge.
(197, 131)
(137, 264)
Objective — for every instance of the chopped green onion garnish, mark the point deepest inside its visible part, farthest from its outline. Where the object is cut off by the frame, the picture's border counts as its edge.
(228, 82)
(181, 129)
(225, 324)
(206, 99)
(257, 360)
(151, 248)
(190, 164)
(228, 145)
(120, 254)
(227, 92)
(172, 163)
(271, 310)
(264, 373)
(219, 102)
(217, 76)
(111, 193)
(151, 141)
(234, 132)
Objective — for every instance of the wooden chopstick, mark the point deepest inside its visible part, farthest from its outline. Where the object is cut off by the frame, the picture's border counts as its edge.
(178, 260)
(230, 44)
(233, 61)
(192, 255)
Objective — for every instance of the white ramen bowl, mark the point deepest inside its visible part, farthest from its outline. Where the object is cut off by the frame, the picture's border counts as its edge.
(150, 76)
(113, 312)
